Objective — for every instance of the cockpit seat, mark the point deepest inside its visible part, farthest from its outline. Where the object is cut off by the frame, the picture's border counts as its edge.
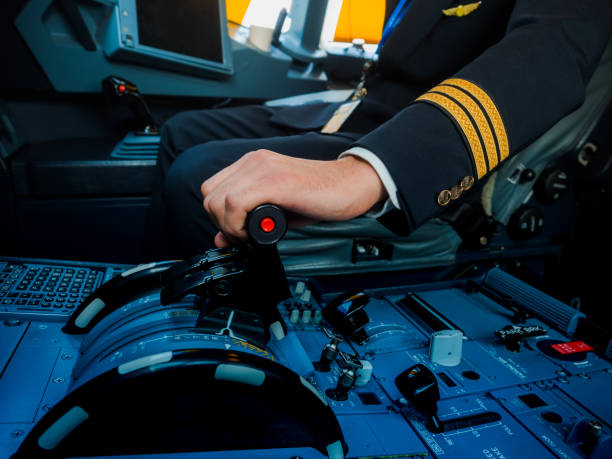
(365, 245)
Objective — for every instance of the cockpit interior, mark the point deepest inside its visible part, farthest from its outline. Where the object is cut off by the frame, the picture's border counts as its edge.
(482, 333)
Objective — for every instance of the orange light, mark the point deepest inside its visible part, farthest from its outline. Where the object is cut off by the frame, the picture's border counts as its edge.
(121, 88)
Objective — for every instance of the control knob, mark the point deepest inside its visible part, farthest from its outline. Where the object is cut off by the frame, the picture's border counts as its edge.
(552, 185)
(525, 223)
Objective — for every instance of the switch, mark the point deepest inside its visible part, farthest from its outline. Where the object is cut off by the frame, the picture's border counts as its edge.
(347, 378)
(299, 288)
(329, 352)
(445, 347)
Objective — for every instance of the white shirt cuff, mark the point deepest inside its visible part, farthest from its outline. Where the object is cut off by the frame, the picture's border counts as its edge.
(385, 178)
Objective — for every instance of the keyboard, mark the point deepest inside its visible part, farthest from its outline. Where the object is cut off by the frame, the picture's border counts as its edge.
(48, 289)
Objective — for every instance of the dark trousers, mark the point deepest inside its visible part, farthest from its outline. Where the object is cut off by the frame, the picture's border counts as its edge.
(197, 144)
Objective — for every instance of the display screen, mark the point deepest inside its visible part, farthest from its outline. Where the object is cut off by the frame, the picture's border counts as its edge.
(189, 27)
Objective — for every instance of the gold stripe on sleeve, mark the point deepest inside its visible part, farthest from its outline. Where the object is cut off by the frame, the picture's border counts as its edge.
(464, 123)
(491, 110)
(481, 120)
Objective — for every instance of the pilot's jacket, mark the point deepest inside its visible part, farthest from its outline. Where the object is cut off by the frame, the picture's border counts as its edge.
(459, 87)
(457, 94)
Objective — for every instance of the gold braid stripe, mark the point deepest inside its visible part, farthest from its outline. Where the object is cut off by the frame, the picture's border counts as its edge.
(481, 121)
(466, 126)
(490, 108)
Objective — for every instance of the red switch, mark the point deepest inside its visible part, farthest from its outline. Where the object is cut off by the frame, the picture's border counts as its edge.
(571, 348)
(267, 225)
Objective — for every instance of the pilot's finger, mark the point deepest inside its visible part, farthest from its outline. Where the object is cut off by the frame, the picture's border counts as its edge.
(209, 185)
(255, 190)
(215, 202)
(221, 240)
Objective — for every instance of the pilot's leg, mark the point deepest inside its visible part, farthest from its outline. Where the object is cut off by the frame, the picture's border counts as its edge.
(195, 127)
(189, 223)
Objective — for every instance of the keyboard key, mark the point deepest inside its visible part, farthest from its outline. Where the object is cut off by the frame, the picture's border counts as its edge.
(21, 302)
(25, 295)
(34, 302)
(7, 301)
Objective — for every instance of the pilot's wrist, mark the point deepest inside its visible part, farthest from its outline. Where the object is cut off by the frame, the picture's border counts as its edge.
(363, 187)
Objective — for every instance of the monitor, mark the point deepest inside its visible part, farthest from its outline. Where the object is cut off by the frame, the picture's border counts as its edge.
(183, 35)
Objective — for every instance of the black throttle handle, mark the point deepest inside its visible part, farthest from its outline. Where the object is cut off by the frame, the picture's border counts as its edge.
(266, 224)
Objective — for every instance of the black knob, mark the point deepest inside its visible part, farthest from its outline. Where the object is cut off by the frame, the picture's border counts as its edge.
(419, 386)
(525, 223)
(527, 176)
(346, 313)
(552, 185)
(266, 224)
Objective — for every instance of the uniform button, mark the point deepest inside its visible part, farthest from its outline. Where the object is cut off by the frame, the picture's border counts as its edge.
(455, 192)
(369, 68)
(467, 182)
(444, 197)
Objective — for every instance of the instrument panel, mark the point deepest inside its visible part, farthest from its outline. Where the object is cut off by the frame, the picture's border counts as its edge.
(460, 369)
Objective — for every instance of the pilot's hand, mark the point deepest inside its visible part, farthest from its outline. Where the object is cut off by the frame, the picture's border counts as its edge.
(312, 190)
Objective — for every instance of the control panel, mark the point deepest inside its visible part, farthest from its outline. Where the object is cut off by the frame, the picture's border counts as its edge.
(485, 367)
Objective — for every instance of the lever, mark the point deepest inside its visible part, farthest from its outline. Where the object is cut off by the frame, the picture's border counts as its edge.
(246, 282)
(329, 352)
(266, 225)
(346, 313)
(347, 378)
(229, 276)
(420, 387)
(125, 92)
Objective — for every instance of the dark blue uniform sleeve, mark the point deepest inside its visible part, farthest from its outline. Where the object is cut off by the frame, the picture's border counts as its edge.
(459, 131)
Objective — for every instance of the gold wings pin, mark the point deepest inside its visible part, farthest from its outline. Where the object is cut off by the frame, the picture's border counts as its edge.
(461, 10)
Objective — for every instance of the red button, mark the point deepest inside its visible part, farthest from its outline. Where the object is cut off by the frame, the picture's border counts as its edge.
(267, 225)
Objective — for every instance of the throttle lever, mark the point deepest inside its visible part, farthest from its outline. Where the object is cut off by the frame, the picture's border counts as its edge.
(198, 263)
(266, 225)
(248, 280)
(195, 282)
